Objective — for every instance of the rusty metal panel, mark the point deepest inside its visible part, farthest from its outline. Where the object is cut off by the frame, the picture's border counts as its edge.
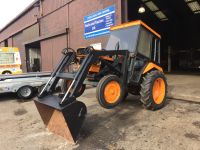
(52, 5)
(46, 55)
(25, 21)
(76, 23)
(54, 22)
(31, 32)
(10, 42)
(17, 42)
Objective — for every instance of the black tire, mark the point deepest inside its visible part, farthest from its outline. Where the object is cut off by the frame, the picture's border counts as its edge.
(80, 91)
(65, 85)
(147, 87)
(101, 89)
(25, 92)
(6, 73)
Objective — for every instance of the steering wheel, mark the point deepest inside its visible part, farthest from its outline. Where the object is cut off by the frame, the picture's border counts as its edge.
(89, 49)
(66, 50)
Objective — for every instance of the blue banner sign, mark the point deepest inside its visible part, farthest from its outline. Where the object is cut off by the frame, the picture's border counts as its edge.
(99, 23)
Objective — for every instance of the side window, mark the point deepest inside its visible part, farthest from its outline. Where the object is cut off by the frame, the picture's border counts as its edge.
(145, 43)
(155, 56)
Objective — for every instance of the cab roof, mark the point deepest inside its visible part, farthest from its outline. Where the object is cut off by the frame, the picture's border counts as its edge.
(135, 23)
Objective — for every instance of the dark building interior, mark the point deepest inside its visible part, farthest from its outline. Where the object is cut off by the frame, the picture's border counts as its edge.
(178, 22)
(33, 57)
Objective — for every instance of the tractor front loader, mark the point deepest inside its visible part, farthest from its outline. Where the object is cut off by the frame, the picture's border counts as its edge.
(128, 64)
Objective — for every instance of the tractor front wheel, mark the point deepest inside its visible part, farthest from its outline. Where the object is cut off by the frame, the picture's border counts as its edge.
(110, 91)
(66, 84)
(153, 90)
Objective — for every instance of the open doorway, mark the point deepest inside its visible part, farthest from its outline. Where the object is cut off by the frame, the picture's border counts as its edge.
(178, 22)
(33, 57)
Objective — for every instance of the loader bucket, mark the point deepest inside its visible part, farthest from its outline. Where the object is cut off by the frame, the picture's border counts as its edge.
(65, 121)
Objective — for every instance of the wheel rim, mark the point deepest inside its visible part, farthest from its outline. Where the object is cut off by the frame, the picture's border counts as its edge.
(112, 92)
(25, 92)
(159, 90)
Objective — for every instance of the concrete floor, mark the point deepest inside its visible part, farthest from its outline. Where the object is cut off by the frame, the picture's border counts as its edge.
(185, 87)
(128, 126)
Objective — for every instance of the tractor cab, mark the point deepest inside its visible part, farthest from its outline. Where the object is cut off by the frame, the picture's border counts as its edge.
(136, 37)
(141, 41)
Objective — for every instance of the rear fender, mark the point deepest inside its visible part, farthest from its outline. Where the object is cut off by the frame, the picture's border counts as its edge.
(151, 66)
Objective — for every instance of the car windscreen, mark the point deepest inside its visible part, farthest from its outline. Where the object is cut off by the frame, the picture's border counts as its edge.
(6, 58)
(123, 39)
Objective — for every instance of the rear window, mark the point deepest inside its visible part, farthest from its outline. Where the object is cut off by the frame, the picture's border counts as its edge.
(6, 58)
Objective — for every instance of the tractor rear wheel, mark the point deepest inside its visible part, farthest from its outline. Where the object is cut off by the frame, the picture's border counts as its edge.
(153, 90)
(110, 91)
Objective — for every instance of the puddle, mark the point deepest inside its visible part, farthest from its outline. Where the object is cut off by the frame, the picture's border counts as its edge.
(196, 124)
(192, 136)
(20, 111)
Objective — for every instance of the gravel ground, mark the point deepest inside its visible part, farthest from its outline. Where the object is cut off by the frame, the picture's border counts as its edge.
(128, 126)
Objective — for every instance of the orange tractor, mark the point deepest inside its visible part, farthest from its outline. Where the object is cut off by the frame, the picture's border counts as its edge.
(128, 64)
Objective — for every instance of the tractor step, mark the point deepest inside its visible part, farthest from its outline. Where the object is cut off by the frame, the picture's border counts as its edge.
(65, 121)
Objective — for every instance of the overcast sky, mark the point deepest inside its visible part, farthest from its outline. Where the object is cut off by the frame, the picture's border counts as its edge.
(10, 9)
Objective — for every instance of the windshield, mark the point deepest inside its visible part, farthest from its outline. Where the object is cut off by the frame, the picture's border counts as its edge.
(6, 58)
(123, 39)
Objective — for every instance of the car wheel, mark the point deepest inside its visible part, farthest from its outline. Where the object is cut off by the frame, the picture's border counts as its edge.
(25, 92)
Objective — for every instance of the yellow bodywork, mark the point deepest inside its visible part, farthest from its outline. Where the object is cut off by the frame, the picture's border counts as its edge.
(9, 49)
(151, 66)
(15, 67)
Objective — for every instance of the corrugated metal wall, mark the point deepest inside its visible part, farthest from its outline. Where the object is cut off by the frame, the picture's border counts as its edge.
(31, 32)
(59, 44)
(58, 20)
(46, 55)
(76, 23)
(57, 16)
(17, 42)
(2, 44)
(10, 42)
(22, 23)
(20, 38)
(51, 5)
(54, 22)
(51, 52)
